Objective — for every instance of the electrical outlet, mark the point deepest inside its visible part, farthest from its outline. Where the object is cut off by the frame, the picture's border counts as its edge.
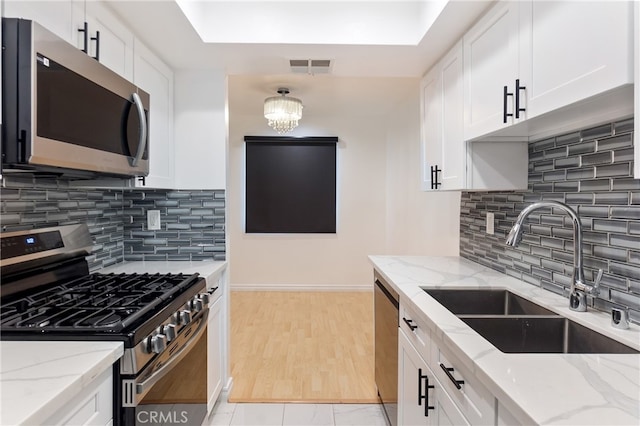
(490, 221)
(153, 220)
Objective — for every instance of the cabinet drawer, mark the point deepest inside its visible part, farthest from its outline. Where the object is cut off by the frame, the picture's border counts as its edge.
(416, 331)
(94, 406)
(473, 399)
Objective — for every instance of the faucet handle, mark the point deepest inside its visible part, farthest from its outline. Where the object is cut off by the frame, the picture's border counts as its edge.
(596, 284)
(619, 318)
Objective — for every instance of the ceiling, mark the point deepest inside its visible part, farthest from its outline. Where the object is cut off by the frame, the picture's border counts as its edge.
(367, 77)
(163, 26)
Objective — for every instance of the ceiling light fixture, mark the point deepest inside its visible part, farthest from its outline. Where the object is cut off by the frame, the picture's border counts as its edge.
(283, 112)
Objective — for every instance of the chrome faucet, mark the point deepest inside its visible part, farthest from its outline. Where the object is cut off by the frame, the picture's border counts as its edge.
(579, 288)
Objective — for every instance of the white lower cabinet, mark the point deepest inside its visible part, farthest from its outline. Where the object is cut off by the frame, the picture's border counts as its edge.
(93, 406)
(505, 418)
(214, 353)
(421, 398)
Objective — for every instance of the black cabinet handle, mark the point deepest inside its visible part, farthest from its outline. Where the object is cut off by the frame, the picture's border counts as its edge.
(447, 371)
(409, 323)
(85, 35)
(518, 89)
(505, 95)
(424, 397)
(97, 40)
(434, 177)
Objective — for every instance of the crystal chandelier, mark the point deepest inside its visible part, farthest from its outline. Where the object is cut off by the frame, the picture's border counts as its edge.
(282, 112)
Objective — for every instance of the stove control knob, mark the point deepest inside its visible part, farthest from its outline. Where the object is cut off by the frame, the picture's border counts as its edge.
(175, 318)
(204, 297)
(158, 343)
(169, 331)
(185, 317)
(198, 305)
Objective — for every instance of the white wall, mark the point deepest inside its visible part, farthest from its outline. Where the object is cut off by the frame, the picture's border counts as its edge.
(417, 223)
(301, 260)
(200, 129)
(381, 209)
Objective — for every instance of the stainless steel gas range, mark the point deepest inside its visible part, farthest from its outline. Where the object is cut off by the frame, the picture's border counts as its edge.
(48, 294)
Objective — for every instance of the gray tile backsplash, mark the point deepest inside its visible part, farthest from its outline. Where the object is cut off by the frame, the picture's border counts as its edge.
(193, 221)
(591, 170)
(192, 225)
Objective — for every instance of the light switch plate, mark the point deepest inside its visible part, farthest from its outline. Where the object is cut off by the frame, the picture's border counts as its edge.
(153, 220)
(490, 223)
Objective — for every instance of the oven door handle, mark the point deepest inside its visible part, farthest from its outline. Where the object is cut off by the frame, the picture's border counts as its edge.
(144, 386)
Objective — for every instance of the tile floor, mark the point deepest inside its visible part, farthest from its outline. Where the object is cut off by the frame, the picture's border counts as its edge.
(228, 414)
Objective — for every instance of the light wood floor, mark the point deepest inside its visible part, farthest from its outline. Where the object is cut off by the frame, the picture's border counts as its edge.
(302, 347)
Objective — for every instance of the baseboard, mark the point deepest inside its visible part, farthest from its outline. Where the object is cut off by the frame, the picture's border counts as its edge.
(229, 385)
(301, 287)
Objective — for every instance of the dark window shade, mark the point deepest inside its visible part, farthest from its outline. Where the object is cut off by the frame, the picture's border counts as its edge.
(290, 184)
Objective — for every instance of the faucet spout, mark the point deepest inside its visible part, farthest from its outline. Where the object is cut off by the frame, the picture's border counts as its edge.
(579, 288)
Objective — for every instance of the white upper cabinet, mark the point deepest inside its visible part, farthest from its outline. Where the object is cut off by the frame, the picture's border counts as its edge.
(56, 16)
(156, 78)
(576, 49)
(491, 55)
(449, 162)
(431, 126)
(453, 164)
(524, 60)
(107, 38)
(442, 115)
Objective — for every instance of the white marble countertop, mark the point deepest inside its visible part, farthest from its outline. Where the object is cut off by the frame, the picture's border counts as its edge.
(578, 389)
(37, 378)
(207, 269)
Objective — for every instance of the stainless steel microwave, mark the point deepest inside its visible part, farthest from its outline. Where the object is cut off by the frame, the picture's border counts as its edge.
(64, 112)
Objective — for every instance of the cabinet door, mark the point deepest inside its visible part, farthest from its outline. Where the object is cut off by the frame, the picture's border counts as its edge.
(431, 108)
(490, 63)
(445, 412)
(155, 78)
(421, 398)
(214, 353)
(115, 45)
(453, 154)
(576, 50)
(413, 380)
(56, 16)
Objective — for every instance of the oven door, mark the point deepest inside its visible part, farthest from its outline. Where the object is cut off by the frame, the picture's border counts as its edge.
(173, 387)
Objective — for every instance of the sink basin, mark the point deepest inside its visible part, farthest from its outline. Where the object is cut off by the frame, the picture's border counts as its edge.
(486, 302)
(543, 335)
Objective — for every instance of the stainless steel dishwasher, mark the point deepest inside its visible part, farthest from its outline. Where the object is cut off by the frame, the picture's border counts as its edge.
(386, 306)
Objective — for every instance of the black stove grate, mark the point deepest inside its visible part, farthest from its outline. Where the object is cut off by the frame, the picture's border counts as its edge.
(98, 302)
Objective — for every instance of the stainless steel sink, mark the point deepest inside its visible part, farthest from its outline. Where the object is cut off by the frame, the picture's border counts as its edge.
(543, 335)
(514, 324)
(486, 302)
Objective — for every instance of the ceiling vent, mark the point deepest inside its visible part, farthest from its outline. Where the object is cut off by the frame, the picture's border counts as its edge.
(310, 66)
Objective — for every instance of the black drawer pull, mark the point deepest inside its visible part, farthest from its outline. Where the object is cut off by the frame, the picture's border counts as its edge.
(505, 114)
(447, 371)
(518, 89)
(409, 323)
(424, 397)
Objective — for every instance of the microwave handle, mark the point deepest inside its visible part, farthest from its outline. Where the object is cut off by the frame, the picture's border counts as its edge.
(142, 141)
